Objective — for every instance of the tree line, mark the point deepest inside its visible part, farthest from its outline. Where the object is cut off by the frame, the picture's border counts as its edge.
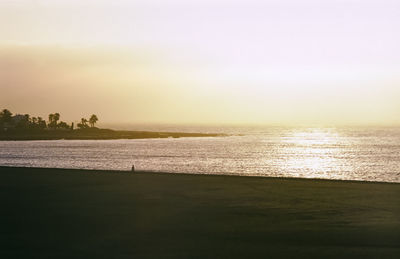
(8, 121)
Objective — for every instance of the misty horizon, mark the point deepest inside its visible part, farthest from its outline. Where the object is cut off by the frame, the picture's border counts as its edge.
(203, 62)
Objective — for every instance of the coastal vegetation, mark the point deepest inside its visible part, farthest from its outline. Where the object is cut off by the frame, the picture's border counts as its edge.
(27, 127)
(25, 122)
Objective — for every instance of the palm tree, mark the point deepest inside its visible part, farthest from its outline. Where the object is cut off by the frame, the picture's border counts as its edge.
(56, 117)
(53, 119)
(5, 115)
(83, 124)
(41, 123)
(93, 119)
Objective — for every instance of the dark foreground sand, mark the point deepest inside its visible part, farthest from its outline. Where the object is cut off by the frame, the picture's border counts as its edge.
(49, 213)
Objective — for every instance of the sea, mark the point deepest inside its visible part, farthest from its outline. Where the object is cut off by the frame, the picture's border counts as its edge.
(341, 153)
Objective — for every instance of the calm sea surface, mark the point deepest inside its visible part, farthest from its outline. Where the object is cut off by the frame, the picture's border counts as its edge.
(370, 154)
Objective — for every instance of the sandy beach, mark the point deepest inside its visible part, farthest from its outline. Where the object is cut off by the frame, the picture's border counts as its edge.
(60, 213)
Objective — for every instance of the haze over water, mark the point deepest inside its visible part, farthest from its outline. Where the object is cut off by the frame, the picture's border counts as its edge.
(367, 154)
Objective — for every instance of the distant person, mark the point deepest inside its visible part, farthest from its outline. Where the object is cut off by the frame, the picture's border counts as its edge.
(133, 168)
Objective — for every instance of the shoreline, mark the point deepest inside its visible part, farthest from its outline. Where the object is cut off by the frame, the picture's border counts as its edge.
(107, 171)
(96, 134)
(64, 213)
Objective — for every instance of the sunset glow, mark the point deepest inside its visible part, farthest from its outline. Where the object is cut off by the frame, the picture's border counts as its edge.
(258, 62)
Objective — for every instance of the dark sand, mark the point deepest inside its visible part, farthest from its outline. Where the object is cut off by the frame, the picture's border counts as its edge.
(49, 213)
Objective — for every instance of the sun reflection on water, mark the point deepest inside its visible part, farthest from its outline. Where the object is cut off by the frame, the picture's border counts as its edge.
(314, 153)
(329, 153)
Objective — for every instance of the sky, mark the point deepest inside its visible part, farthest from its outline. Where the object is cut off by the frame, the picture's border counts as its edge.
(332, 62)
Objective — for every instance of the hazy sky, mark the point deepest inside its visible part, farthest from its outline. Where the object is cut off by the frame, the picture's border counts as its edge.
(264, 62)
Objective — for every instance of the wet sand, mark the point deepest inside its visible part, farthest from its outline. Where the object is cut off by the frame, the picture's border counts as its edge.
(56, 213)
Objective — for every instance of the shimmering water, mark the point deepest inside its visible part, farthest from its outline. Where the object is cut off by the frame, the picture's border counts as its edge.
(370, 154)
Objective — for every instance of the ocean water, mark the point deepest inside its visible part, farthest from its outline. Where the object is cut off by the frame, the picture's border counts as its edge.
(366, 154)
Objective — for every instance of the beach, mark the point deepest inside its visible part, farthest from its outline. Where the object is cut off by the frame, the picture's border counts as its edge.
(65, 213)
